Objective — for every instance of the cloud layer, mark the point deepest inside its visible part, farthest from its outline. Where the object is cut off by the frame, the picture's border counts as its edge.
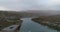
(30, 4)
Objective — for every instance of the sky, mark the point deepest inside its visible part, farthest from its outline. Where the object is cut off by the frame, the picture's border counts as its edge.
(19, 5)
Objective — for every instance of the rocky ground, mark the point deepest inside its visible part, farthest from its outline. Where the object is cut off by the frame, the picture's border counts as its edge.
(51, 21)
(9, 18)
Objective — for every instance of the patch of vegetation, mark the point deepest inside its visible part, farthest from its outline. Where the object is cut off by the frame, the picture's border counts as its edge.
(9, 18)
(51, 21)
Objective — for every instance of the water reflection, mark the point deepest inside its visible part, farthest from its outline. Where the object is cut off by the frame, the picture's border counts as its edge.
(30, 26)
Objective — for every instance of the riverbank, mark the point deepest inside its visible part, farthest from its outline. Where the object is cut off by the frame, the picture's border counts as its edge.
(8, 23)
(8, 18)
(51, 21)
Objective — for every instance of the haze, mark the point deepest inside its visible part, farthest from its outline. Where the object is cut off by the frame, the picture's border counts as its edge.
(19, 5)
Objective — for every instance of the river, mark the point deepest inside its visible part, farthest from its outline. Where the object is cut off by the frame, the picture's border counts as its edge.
(30, 26)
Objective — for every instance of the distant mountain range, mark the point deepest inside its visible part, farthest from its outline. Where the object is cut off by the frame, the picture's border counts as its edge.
(32, 13)
(43, 12)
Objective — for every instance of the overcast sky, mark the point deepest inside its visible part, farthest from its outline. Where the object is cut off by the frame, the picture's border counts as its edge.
(29, 4)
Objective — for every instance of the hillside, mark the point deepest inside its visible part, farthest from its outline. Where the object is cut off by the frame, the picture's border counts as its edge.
(51, 21)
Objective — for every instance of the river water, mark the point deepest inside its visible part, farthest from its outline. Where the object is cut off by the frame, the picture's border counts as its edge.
(30, 26)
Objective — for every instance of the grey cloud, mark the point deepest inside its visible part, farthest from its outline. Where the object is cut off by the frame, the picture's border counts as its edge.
(30, 4)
